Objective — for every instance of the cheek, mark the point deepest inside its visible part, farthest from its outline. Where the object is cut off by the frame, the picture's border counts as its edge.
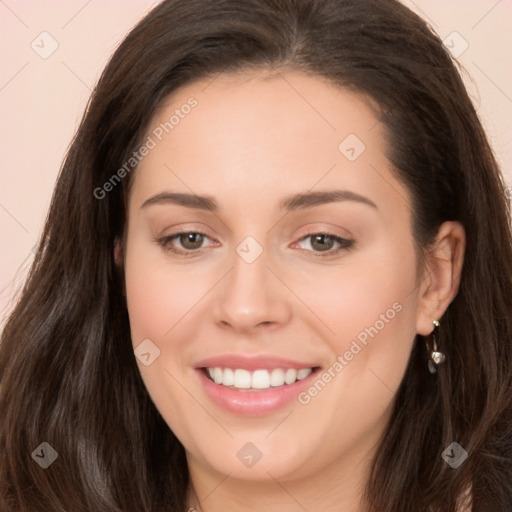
(370, 296)
(159, 295)
(371, 312)
(159, 299)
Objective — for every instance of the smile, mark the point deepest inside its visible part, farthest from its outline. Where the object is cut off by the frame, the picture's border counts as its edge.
(256, 380)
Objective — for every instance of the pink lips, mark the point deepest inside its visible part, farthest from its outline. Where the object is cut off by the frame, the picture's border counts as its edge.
(252, 363)
(252, 402)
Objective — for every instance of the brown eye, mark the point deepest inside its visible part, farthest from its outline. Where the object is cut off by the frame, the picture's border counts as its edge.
(185, 243)
(322, 242)
(191, 241)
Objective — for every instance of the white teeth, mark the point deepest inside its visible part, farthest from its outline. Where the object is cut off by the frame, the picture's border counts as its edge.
(290, 376)
(277, 377)
(228, 378)
(217, 375)
(242, 379)
(302, 374)
(258, 379)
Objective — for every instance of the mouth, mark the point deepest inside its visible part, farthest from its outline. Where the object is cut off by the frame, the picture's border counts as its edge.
(240, 379)
(255, 392)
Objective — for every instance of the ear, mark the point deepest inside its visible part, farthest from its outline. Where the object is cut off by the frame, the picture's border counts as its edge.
(441, 279)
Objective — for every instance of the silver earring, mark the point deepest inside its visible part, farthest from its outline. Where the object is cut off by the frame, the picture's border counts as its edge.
(435, 358)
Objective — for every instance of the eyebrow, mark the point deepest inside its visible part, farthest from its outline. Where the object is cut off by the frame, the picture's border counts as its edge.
(291, 203)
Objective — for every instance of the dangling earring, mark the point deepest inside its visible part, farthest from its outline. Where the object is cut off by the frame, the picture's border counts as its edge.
(435, 358)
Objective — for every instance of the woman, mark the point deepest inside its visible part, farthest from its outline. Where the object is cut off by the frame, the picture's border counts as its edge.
(187, 341)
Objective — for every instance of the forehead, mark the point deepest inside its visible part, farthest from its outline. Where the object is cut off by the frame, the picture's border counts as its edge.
(254, 133)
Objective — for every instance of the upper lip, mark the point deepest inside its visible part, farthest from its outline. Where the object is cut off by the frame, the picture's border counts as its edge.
(252, 363)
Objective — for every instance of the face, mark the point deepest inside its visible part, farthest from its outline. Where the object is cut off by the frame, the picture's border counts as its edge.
(269, 244)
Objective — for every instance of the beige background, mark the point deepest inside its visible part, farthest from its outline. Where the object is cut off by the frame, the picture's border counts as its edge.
(42, 99)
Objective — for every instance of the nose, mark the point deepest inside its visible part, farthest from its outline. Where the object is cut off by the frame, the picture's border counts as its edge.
(252, 296)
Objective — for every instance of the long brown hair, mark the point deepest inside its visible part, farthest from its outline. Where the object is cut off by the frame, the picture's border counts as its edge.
(67, 368)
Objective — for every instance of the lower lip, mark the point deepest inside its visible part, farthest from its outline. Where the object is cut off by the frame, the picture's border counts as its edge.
(254, 403)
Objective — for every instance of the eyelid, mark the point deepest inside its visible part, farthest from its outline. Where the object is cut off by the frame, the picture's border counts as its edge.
(320, 228)
(181, 228)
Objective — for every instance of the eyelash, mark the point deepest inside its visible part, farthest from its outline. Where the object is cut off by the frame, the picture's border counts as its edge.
(345, 244)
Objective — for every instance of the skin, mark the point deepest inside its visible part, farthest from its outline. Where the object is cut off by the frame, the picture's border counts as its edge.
(253, 139)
